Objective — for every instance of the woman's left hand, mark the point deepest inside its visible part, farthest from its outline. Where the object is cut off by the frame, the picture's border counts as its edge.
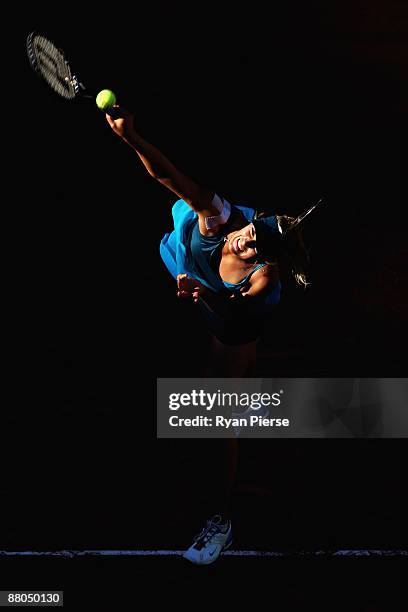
(123, 126)
(189, 287)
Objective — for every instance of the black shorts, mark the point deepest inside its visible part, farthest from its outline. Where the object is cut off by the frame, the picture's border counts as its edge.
(232, 330)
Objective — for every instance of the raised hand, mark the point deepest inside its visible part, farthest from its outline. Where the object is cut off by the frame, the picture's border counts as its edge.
(123, 126)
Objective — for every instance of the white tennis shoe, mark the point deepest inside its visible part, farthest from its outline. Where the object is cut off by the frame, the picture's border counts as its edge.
(210, 543)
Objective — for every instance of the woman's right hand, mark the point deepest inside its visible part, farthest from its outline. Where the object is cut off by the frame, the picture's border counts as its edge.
(189, 287)
(124, 125)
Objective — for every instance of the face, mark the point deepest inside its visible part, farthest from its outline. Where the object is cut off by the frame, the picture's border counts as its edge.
(242, 243)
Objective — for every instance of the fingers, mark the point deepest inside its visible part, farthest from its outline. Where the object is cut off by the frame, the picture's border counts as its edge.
(182, 281)
(188, 287)
(195, 295)
(110, 120)
(115, 113)
(122, 112)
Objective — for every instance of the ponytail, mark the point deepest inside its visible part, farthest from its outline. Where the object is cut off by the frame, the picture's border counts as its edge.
(295, 249)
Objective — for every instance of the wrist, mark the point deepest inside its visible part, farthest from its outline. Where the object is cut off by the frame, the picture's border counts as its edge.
(203, 291)
(133, 139)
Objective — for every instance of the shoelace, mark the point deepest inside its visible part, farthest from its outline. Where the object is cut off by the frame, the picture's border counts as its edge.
(207, 533)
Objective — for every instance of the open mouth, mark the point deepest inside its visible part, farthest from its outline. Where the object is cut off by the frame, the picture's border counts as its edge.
(236, 245)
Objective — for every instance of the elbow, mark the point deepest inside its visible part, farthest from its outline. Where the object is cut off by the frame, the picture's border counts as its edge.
(161, 178)
(156, 172)
(156, 175)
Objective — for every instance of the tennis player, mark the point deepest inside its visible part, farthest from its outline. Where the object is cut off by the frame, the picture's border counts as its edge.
(225, 260)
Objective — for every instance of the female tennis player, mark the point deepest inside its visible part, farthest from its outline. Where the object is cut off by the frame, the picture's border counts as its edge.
(225, 260)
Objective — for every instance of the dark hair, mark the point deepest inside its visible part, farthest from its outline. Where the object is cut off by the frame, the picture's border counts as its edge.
(294, 248)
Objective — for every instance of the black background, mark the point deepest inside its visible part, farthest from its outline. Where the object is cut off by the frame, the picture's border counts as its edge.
(273, 108)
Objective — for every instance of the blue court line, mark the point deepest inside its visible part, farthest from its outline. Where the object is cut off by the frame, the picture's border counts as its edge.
(229, 553)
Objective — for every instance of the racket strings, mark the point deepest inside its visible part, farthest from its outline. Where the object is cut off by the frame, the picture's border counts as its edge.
(52, 66)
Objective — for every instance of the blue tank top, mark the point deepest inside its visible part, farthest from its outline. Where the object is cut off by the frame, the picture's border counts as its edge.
(206, 252)
(176, 249)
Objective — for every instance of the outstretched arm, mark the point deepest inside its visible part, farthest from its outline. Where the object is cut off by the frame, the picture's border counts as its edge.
(159, 167)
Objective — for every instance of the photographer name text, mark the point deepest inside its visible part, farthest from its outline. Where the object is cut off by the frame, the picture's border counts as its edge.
(226, 423)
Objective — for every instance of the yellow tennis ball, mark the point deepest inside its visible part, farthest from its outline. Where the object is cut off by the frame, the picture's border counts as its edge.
(105, 99)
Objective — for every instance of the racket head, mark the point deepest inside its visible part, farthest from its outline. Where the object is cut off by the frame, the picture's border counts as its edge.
(51, 65)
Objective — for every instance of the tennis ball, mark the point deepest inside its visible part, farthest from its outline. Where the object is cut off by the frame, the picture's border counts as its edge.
(105, 99)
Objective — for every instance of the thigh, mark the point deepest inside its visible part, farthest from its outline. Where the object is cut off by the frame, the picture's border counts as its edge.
(236, 360)
(233, 331)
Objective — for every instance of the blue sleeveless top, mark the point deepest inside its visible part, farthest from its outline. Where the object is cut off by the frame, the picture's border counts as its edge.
(186, 251)
(207, 250)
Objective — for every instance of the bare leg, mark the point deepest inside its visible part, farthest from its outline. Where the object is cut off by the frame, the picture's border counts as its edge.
(226, 361)
(224, 470)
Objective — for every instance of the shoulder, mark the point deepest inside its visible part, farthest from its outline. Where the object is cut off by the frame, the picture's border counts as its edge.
(266, 274)
(263, 280)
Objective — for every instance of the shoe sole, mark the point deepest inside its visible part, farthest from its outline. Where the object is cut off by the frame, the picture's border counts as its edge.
(227, 546)
(214, 560)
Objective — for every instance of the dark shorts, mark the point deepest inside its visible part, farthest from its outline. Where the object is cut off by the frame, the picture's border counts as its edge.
(232, 330)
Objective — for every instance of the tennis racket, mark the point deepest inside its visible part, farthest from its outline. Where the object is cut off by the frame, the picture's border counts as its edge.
(51, 64)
